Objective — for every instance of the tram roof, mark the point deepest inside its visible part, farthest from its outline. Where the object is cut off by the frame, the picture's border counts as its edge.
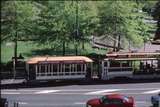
(35, 60)
(134, 54)
(130, 59)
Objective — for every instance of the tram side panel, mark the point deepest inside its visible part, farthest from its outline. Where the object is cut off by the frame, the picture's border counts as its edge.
(109, 70)
(56, 71)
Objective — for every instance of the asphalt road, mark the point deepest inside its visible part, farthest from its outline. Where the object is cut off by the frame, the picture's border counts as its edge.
(77, 95)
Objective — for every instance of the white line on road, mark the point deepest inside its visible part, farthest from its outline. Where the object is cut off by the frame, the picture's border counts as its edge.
(142, 102)
(79, 103)
(81, 89)
(46, 91)
(10, 93)
(152, 92)
(22, 103)
(102, 91)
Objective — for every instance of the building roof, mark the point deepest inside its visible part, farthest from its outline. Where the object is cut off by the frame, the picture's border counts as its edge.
(35, 60)
(104, 42)
(148, 47)
(156, 42)
(156, 39)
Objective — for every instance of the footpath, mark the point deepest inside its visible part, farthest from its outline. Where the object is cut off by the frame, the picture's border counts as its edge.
(12, 81)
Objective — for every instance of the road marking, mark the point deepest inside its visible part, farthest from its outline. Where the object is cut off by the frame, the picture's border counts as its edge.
(80, 103)
(82, 89)
(142, 102)
(22, 103)
(152, 92)
(102, 91)
(18, 90)
(46, 91)
(10, 93)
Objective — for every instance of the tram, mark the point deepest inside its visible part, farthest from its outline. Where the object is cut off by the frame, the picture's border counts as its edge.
(128, 64)
(59, 68)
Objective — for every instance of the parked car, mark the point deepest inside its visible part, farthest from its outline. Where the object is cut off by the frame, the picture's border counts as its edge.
(156, 100)
(112, 100)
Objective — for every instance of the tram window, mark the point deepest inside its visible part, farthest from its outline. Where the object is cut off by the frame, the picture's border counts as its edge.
(105, 64)
(72, 70)
(37, 68)
(79, 67)
(67, 69)
(48, 69)
(61, 69)
(125, 64)
(42, 68)
(114, 64)
(54, 69)
(158, 63)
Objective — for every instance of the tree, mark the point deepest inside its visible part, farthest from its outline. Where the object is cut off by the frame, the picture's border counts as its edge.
(57, 22)
(156, 15)
(17, 17)
(16, 22)
(124, 19)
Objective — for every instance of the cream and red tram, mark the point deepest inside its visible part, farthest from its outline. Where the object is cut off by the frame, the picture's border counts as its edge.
(127, 64)
(56, 68)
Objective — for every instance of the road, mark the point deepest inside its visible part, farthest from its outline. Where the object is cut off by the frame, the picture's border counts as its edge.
(77, 95)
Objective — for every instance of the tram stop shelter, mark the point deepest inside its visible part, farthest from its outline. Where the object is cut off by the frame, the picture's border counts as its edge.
(56, 68)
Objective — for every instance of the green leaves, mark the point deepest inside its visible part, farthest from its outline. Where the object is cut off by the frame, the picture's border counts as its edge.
(17, 16)
(55, 21)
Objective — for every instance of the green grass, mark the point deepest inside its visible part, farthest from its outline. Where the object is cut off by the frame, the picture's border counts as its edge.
(30, 49)
(7, 52)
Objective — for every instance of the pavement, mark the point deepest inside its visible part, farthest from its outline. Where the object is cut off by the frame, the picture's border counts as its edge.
(78, 95)
(12, 81)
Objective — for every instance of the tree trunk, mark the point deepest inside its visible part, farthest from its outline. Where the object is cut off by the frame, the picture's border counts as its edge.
(76, 49)
(64, 48)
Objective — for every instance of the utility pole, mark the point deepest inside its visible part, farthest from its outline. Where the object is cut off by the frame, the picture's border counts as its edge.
(15, 46)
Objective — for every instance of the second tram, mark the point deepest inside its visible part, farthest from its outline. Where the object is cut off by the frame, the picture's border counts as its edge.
(128, 64)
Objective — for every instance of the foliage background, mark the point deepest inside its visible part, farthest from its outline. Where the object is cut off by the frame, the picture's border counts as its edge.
(52, 27)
